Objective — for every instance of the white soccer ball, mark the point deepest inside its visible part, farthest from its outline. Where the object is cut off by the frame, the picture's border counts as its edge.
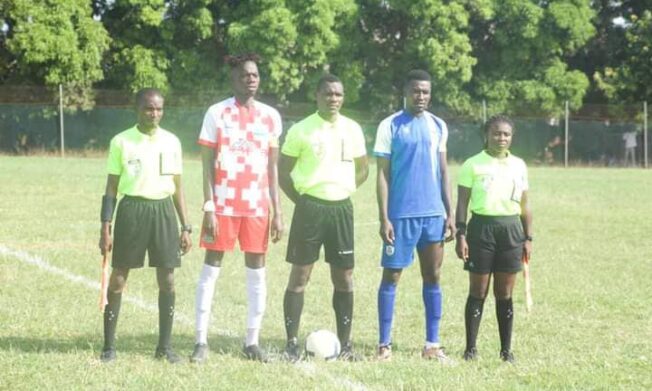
(322, 344)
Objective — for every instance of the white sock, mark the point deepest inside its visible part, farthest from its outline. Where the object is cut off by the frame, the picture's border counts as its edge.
(204, 300)
(256, 297)
(430, 345)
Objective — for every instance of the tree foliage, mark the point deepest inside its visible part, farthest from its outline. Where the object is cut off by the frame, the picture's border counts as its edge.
(516, 54)
(53, 42)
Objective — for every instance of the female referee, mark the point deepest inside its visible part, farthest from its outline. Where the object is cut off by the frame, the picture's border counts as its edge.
(499, 233)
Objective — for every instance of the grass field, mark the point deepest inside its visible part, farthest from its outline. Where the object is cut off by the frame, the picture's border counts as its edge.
(591, 327)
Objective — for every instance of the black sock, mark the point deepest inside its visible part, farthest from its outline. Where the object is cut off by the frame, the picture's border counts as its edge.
(111, 312)
(292, 308)
(165, 318)
(505, 315)
(343, 306)
(472, 318)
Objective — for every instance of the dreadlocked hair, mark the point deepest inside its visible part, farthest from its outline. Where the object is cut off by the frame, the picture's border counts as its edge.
(495, 120)
(237, 60)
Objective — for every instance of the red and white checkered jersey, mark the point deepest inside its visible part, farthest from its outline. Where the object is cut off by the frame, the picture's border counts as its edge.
(242, 138)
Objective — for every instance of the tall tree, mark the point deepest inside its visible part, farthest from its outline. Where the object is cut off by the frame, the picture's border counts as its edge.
(53, 42)
(521, 46)
(625, 75)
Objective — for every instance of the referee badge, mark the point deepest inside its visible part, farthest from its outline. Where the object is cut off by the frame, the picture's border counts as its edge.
(389, 250)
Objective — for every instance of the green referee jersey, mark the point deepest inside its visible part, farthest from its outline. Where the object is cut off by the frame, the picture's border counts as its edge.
(145, 163)
(496, 184)
(325, 154)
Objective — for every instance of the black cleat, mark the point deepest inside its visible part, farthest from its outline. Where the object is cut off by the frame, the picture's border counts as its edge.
(292, 350)
(347, 353)
(507, 356)
(108, 355)
(199, 354)
(254, 353)
(470, 354)
(168, 354)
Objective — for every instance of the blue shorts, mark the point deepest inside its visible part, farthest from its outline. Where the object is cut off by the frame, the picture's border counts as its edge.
(411, 233)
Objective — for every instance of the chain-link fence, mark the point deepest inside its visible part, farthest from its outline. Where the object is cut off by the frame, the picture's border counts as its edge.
(593, 135)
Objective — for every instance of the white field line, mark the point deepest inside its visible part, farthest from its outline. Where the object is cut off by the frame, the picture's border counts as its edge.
(44, 265)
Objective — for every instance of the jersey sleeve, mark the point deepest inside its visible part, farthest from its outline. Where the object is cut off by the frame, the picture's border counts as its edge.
(209, 129)
(277, 129)
(114, 161)
(465, 176)
(383, 145)
(359, 145)
(292, 145)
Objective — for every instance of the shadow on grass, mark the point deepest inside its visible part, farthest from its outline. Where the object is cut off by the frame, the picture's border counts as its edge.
(145, 344)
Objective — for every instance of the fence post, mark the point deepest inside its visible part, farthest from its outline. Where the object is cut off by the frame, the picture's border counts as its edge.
(645, 142)
(63, 154)
(566, 115)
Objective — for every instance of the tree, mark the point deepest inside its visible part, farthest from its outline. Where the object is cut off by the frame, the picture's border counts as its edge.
(631, 80)
(521, 48)
(51, 43)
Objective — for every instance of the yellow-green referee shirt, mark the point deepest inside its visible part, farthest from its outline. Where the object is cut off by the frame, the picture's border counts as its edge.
(145, 163)
(496, 184)
(325, 168)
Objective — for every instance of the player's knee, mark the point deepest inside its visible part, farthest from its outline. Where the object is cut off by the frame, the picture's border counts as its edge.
(213, 258)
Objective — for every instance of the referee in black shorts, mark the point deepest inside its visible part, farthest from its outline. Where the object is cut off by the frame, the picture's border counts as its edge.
(145, 166)
(495, 185)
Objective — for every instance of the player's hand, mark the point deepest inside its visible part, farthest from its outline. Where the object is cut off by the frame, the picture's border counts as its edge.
(527, 249)
(106, 241)
(462, 248)
(209, 227)
(186, 242)
(450, 229)
(277, 228)
(387, 232)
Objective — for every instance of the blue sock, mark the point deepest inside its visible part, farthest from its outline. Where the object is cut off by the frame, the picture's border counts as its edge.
(386, 295)
(432, 300)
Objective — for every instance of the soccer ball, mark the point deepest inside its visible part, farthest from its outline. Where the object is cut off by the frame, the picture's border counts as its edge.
(322, 344)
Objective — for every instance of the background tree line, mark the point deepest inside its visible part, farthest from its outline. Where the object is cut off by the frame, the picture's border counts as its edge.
(515, 54)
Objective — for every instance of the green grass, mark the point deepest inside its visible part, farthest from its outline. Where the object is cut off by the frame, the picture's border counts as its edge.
(591, 326)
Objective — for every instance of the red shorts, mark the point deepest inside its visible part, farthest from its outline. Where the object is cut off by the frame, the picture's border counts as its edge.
(252, 234)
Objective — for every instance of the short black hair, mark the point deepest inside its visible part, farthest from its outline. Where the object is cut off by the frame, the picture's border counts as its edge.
(237, 60)
(146, 92)
(327, 78)
(417, 75)
(497, 119)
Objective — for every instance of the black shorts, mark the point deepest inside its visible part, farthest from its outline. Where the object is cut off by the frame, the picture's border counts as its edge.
(143, 225)
(495, 244)
(316, 222)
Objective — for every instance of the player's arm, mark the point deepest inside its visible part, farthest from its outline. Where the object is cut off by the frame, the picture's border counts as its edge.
(361, 170)
(209, 225)
(275, 198)
(446, 196)
(463, 197)
(106, 215)
(285, 166)
(179, 199)
(382, 197)
(526, 220)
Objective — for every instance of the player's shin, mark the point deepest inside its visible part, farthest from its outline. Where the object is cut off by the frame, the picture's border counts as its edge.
(472, 319)
(343, 306)
(432, 300)
(386, 297)
(204, 300)
(111, 312)
(257, 297)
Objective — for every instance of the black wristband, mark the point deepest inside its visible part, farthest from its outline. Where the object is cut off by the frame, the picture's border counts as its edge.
(528, 238)
(108, 205)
